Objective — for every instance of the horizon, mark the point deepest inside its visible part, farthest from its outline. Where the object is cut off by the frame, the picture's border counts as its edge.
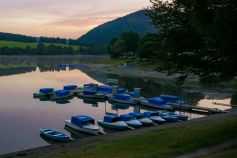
(58, 18)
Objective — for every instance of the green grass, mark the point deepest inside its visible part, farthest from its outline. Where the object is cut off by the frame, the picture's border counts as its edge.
(229, 152)
(12, 44)
(162, 143)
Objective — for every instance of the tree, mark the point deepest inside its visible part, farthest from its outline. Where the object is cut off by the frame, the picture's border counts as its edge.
(116, 48)
(198, 36)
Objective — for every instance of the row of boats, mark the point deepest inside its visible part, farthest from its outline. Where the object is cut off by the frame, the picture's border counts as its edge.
(86, 124)
(112, 93)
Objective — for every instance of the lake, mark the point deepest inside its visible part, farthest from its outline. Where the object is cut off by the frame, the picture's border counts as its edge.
(21, 116)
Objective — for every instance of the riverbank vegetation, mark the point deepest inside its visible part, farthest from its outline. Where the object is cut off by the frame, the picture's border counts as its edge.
(194, 37)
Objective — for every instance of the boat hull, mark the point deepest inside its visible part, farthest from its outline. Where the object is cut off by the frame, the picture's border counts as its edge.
(54, 135)
(156, 106)
(96, 96)
(94, 130)
(129, 102)
(120, 125)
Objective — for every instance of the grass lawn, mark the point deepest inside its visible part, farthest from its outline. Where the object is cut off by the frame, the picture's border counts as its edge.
(162, 143)
(12, 44)
(230, 152)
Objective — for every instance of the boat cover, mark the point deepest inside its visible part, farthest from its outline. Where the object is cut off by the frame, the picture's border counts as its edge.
(111, 118)
(81, 120)
(46, 90)
(121, 90)
(151, 113)
(62, 93)
(89, 85)
(70, 87)
(126, 117)
(89, 92)
(169, 98)
(122, 96)
(138, 115)
(156, 101)
(105, 89)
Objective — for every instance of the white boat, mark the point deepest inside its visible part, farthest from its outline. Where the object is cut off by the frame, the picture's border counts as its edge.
(130, 120)
(83, 123)
(154, 116)
(140, 117)
(114, 122)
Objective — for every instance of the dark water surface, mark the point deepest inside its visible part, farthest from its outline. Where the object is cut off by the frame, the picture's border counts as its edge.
(21, 116)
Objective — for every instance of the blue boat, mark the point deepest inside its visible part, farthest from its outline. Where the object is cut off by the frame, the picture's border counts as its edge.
(61, 94)
(44, 92)
(172, 99)
(83, 123)
(168, 116)
(73, 89)
(141, 117)
(122, 99)
(130, 120)
(54, 134)
(154, 116)
(156, 102)
(179, 116)
(91, 94)
(113, 122)
(109, 89)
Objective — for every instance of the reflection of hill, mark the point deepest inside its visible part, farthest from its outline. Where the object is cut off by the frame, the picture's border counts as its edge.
(16, 70)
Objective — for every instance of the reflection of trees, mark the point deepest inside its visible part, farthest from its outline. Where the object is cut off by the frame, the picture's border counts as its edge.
(233, 100)
(15, 70)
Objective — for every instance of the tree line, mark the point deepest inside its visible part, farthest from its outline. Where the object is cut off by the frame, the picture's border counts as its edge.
(41, 49)
(194, 37)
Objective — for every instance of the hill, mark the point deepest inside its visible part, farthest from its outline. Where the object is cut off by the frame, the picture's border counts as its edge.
(103, 34)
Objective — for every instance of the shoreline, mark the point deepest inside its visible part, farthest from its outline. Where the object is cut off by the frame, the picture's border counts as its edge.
(47, 151)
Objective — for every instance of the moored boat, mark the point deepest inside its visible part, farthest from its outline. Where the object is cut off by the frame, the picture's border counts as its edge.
(154, 116)
(74, 89)
(54, 134)
(179, 116)
(130, 120)
(61, 94)
(156, 102)
(168, 116)
(140, 117)
(44, 92)
(114, 122)
(122, 99)
(91, 94)
(172, 99)
(83, 123)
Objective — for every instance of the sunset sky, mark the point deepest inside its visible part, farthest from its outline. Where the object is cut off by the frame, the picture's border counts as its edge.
(62, 18)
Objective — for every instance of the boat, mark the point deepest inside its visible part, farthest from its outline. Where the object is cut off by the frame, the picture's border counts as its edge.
(109, 89)
(83, 123)
(54, 134)
(154, 116)
(74, 89)
(140, 117)
(122, 99)
(130, 120)
(62, 94)
(113, 122)
(44, 92)
(91, 94)
(172, 99)
(156, 102)
(167, 116)
(179, 116)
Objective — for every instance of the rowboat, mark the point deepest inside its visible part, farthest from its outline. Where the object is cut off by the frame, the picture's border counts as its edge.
(154, 116)
(122, 99)
(114, 122)
(167, 116)
(62, 94)
(140, 117)
(157, 103)
(130, 120)
(54, 134)
(83, 123)
(44, 92)
(74, 89)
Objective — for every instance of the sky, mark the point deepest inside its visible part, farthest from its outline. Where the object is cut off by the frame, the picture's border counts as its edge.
(62, 18)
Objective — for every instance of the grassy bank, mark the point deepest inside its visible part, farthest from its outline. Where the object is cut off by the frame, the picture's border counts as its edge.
(12, 44)
(162, 143)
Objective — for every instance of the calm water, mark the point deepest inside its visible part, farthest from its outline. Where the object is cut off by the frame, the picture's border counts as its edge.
(21, 116)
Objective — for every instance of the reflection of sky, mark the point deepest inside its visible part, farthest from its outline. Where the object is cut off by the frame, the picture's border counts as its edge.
(61, 17)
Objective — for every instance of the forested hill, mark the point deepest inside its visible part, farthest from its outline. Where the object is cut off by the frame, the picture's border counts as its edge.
(30, 39)
(103, 34)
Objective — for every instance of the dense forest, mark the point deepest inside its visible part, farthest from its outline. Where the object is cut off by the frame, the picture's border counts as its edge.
(195, 37)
